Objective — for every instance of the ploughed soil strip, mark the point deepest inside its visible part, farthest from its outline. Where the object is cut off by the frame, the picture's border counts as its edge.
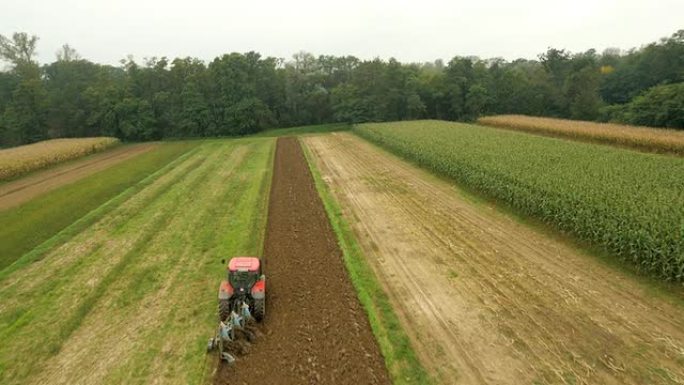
(24, 189)
(315, 331)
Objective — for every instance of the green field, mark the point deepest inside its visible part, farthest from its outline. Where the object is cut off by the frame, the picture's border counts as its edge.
(130, 297)
(628, 203)
(28, 225)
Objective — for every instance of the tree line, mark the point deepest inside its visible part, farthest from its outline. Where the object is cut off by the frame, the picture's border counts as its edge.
(239, 94)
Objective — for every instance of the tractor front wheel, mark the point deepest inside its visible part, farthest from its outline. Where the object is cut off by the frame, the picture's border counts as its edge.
(259, 309)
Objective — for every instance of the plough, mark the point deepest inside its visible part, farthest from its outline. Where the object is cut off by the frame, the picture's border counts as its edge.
(242, 302)
(226, 332)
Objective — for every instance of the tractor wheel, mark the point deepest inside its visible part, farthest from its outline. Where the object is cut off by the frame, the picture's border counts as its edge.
(224, 309)
(259, 309)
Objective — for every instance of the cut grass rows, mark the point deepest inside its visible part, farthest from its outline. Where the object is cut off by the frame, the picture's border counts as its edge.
(640, 138)
(98, 269)
(238, 212)
(154, 264)
(193, 275)
(400, 359)
(628, 203)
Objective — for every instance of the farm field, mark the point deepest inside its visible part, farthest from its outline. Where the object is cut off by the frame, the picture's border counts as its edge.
(487, 299)
(72, 195)
(129, 291)
(641, 138)
(21, 160)
(454, 291)
(625, 202)
(132, 297)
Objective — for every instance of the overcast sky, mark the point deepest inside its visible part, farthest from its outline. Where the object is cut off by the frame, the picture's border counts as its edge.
(106, 31)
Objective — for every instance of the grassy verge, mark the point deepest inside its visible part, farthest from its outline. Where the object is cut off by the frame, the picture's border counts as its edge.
(400, 359)
(31, 224)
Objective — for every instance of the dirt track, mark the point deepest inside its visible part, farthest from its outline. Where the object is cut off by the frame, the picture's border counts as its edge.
(24, 189)
(488, 300)
(316, 332)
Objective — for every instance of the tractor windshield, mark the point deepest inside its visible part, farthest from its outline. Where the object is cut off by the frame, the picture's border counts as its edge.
(242, 280)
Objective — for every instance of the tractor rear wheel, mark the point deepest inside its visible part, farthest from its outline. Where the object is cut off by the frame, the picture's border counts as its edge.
(259, 309)
(224, 309)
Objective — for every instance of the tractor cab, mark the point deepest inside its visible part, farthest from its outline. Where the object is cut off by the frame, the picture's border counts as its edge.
(245, 284)
(243, 273)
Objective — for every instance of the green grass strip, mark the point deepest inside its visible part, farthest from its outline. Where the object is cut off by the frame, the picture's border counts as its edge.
(302, 130)
(47, 221)
(400, 359)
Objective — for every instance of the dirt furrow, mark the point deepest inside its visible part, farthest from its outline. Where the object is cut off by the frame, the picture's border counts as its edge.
(490, 300)
(316, 331)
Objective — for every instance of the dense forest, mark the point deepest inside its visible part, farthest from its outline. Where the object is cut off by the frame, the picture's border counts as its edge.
(238, 94)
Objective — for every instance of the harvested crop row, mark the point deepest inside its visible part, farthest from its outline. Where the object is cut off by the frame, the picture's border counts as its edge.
(24, 159)
(629, 203)
(641, 138)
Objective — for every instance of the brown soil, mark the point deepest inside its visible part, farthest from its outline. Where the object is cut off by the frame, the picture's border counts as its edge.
(22, 190)
(315, 331)
(488, 300)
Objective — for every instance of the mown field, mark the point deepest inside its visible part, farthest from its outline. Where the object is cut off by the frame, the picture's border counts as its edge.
(126, 294)
(628, 203)
(21, 160)
(648, 139)
(30, 224)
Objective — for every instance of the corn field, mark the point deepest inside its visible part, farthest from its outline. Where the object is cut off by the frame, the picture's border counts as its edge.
(20, 160)
(642, 138)
(628, 203)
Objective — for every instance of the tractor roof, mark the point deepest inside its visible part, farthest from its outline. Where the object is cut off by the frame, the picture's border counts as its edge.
(244, 263)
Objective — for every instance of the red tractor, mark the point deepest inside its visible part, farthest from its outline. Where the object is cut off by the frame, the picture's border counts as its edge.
(246, 285)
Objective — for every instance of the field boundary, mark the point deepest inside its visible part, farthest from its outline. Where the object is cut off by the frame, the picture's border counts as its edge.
(400, 358)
